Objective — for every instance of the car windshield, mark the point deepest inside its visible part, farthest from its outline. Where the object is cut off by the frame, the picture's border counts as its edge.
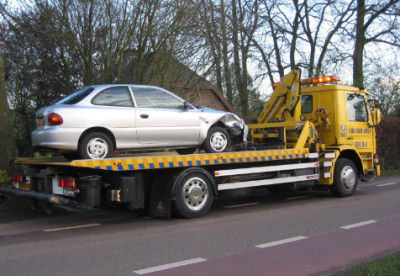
(77, 96)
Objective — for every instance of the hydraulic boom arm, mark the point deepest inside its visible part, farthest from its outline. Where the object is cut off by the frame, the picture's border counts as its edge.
(283, 100)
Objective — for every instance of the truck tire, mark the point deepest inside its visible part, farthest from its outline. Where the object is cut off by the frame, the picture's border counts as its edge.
(96, 145)
(345, 178)
(193, 195)
(218, 140)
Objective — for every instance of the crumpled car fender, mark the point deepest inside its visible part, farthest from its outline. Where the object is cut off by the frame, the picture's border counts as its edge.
(232, 122)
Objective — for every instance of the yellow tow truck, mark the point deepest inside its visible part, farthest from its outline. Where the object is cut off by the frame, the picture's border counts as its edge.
(310, 135)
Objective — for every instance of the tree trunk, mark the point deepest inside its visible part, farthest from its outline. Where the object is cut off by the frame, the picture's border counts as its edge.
(358, 73)
(225, 56)
(8, 147)
(236, 55)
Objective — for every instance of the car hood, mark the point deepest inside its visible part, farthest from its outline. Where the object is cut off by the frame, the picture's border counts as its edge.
(227, 118)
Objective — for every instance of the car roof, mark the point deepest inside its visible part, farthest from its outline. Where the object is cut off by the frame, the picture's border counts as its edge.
(123, 84)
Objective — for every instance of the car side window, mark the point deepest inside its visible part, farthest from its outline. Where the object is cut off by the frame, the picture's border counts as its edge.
(77, 96)
(114, 96)
(356, 110)
(150, 97)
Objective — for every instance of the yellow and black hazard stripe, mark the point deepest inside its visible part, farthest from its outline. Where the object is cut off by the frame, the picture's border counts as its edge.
(195, 160)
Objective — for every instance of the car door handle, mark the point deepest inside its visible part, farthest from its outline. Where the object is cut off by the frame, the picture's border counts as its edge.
(350, 138)
(144, 116)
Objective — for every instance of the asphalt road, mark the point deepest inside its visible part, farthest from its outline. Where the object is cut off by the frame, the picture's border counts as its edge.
(306, 233)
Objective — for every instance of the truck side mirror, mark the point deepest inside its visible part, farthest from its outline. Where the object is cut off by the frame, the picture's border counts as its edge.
(377, 116)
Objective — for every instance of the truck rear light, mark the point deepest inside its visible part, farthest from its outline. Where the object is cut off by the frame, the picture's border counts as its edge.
(16, 178)
(20, 181)
(66, 183)
(376, 159)
(54, 119)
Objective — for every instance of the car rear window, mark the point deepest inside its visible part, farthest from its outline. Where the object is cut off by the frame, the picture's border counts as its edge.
(77, 96)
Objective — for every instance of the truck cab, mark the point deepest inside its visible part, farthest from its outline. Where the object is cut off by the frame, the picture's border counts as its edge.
(350, 121)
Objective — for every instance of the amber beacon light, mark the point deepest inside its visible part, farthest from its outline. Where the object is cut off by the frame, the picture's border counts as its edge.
(316, 80)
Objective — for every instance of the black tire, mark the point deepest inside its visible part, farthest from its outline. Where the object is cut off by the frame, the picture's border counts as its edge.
(186, 151)
(96, 145)
(345, 178)
(218, 140)
(71, 155)
(193, 195)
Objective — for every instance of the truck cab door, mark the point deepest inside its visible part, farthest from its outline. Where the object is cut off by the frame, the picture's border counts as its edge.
(359, 133)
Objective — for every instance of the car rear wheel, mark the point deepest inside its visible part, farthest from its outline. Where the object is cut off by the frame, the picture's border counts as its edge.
(186, 151)
(218, 140)
(96, 145)
(71, 155)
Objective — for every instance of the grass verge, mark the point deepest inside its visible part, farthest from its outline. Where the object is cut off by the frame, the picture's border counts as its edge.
(385, 266)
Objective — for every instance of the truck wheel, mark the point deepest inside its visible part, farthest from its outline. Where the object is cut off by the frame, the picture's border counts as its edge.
(194, 195)
(218, 140)
(96, 145)
(345, 178)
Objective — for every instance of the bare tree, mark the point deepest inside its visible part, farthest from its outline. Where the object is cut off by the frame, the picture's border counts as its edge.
(376, 22)
(244, 21)
(321, 23)
(8, 146)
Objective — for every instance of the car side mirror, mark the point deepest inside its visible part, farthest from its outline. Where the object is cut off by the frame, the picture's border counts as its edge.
(187, 105)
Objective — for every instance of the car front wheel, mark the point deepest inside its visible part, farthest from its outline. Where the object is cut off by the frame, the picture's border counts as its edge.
(96, 145)
(218, 140)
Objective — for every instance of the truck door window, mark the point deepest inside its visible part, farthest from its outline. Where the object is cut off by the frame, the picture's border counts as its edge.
(306, 104)
(356, 110)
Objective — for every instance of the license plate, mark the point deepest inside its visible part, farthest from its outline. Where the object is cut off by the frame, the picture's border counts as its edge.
(40, 122)
(68, 192)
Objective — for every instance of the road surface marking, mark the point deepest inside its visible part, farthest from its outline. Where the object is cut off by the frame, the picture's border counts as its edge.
(387, 184)
(242, 205)
(168, 266)
(71, 227)
(358, 224)
(270, 244)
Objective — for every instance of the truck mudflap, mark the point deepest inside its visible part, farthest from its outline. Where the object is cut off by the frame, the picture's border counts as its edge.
(48, 198)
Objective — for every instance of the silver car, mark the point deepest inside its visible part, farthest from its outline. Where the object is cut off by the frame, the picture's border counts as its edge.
(100, 119)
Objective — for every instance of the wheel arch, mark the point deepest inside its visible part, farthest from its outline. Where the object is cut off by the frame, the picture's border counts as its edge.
(355, 158)
(206, 128)
(98, 129)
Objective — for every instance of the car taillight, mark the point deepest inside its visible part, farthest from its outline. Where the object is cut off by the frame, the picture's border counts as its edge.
(54, 119)
(66, 183)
